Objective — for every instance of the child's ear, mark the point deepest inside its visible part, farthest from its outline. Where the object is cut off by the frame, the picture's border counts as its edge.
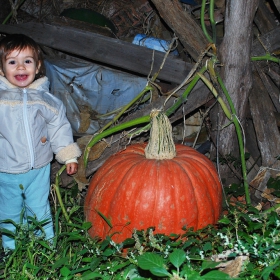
(2, 73)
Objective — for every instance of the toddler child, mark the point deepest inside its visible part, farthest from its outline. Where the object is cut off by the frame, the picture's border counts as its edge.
(34, 126)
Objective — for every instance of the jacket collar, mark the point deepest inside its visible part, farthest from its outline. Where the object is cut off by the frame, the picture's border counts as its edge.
(41, 83)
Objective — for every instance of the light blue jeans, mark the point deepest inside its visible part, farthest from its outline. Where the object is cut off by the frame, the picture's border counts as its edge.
(32, 199)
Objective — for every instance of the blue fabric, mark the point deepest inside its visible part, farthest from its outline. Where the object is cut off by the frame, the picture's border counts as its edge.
(153, 43)
(83, 84)
(32, 199)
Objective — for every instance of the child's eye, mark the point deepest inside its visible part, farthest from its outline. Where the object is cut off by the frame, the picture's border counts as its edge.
(12, 62)
(28, 61)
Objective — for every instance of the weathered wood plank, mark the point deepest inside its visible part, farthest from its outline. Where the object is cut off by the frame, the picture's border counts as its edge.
(266, 130)
(90, 27)
(183, 25)
(273, 73)
(277, 4)
(108, 51)
(269, 42)
(264, 18)
(270, 87)
(263, 100)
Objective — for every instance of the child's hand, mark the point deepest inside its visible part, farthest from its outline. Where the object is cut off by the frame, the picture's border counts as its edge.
(71, 168)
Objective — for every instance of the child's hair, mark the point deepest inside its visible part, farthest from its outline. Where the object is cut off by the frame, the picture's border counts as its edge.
(21, 42)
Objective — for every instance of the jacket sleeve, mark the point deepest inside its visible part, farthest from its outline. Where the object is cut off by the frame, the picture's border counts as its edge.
(61, 137)
(70, 152)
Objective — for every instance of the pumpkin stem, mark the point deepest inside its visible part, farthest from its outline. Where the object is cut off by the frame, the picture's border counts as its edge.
(161, 144)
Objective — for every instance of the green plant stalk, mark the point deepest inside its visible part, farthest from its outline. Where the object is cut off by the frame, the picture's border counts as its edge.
(242, 158)
(110, 131)
(215, 93)
(202, 22)
(231, 105)
(185, 94)
(267, 57)
(147, 88)
(212, 20)
(273, 208)
(240, 140)
(234, 119)
(139, 131)
(31, 259)
(56, 226)
(56, 186)
(108, 114)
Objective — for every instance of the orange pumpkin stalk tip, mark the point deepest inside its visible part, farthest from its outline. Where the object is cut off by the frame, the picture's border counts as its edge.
(159, 184)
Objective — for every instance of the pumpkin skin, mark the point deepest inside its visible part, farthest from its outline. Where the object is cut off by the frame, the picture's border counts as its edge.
(137, 193)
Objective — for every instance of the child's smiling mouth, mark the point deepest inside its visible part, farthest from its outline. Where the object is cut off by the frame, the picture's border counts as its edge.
(21, 77)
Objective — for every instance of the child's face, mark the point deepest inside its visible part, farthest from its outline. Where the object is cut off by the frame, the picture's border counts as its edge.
(20, 68)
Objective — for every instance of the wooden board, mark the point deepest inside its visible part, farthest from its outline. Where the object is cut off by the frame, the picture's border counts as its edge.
(101, 49)
(277, 4)
(262, 111)
(264, 19)
(269, 42)
(263, 100)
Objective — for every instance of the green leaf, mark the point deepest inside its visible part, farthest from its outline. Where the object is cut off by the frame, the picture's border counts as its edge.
(86, 225)
(208, 264)
(104, 244)
(60, 262)
(29, 265)
(160, 271)
(108, 252)
(128, 242)
(80, 269)
(95, 263)
(154, 263)
(150, 260)
(177, 257)
(44, 244)
(277, 272)
(267, 271)
(194, 275)
(91, 275)
(78, 226)
(131, 273)
(74, 237)
(82, 252)
(86, 260)
(119, 266)
(216, 275)
(207, 246)
(225, 221)
(65, 271)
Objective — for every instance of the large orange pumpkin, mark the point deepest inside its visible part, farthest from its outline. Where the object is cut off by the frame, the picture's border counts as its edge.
(135, 192)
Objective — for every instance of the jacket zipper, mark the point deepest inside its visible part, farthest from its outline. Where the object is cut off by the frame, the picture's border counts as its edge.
(27, 129)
